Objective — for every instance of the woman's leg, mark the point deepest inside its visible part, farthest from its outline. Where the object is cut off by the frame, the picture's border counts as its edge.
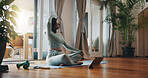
(75, 57)
(59, 59)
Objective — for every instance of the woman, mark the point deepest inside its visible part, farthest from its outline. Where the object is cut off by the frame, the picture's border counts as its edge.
(56, 41)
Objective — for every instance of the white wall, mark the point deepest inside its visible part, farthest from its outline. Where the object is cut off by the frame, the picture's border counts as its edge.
(135, 44)
(67, 17)
(146, 5)
(23, 25)
(25, 4)
(27, 11)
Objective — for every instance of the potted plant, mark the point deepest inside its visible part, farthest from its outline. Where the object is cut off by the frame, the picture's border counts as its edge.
(7, 23)
(124, 22)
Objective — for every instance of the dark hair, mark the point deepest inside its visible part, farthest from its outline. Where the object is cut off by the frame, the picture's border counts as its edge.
(54, 20)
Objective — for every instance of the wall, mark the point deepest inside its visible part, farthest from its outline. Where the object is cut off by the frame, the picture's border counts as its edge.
(25, 4)
(23, 23)
(136, 42)
(67, 17)
(146, 5)
(27, 12)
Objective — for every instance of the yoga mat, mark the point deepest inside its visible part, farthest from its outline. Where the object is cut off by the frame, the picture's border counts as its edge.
(86, 62)
(3, 63)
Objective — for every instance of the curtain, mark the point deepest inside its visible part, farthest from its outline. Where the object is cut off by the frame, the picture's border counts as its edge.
(81, 36)
(58, 9)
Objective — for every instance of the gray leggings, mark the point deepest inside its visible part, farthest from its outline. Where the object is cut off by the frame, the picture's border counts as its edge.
(56, 58)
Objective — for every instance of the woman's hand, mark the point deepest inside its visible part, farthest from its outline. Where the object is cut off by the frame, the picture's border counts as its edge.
(81, 52)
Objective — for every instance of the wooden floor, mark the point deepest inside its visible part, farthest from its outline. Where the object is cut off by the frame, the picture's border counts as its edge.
(115, 68)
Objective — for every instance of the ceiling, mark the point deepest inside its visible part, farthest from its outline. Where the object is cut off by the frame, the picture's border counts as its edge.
(25, 4)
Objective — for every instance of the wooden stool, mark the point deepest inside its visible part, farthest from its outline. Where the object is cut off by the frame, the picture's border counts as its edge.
(6, 52)
(17, 43)
(20, 47)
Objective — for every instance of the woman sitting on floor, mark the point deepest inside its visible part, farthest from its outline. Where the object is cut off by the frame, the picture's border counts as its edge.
(56, 41)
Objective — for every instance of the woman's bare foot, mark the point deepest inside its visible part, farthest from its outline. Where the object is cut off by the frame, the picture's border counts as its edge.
(61, 64)
(79, 63)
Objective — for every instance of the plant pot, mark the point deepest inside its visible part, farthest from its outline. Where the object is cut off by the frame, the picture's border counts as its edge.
(3, 68)
(2, 50)
(128, 51)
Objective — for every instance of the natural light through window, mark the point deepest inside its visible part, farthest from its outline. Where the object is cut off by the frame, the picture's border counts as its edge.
(25, 22)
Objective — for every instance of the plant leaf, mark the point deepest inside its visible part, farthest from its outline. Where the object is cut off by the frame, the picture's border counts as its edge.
(12, 28)
(1, 12)
(13, 20)
(6, 23)
(14, 35)
(14, 14)
(9, 32)
(7, 15)
(8, 2)
(2, 4)
(15, 8)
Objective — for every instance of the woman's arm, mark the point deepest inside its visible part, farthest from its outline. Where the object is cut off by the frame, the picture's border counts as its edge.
(49, 26)
(70, 48)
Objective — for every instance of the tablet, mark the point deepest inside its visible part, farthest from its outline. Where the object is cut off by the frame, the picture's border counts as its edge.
(96, 62)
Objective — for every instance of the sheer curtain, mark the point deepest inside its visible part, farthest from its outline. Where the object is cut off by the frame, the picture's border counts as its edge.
(109, 38)
(105, 33)
(47, 12)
